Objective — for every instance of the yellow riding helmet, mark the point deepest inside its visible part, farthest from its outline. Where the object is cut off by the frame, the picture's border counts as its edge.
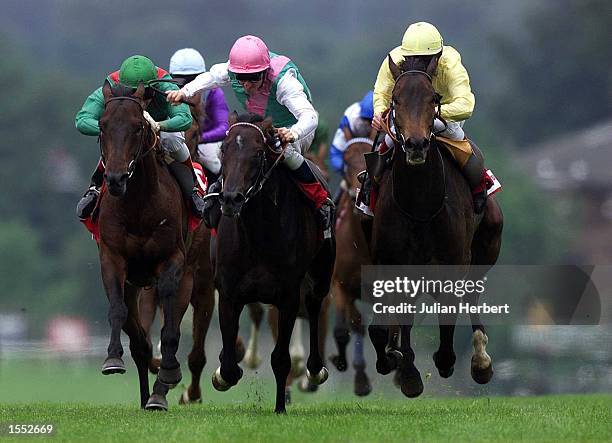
(422, 38)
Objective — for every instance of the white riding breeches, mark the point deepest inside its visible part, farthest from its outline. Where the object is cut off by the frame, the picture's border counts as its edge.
(454, 131)
(209, 155)
(173, 144)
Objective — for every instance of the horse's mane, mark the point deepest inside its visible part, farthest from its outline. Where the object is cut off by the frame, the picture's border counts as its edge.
(415, 63)
(249, 117)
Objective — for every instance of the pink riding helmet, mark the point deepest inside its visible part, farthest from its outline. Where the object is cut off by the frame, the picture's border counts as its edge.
(249, 54)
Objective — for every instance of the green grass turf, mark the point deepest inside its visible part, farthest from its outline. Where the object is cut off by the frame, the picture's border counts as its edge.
(86, 406)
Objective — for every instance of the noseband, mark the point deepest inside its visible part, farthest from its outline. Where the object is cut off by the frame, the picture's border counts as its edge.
(139, 153)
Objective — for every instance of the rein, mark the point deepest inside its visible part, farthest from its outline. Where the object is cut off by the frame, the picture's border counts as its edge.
(139, 153)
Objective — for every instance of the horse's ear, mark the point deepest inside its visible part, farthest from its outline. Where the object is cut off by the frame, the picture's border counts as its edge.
(140, 91)
(395, 70)
(233, 118)
(433, 65)
(266, 125)
(107, 90)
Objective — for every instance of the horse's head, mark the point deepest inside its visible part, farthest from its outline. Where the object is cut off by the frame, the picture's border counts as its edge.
(354, 162)
(243, 160)
(124, 132)
(413, 105)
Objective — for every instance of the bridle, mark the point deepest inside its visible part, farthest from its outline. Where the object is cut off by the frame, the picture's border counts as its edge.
(264, 172)
(141, 152)
(399, 136)
(399, 139)
(351, 192)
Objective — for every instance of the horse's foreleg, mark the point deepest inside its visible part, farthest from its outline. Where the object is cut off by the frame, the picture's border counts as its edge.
(341, 328)
(229, 373)
(174, 303)
(409, 378)
(281, 360)
(316, 372)
(147, 308)
(140, 346)
(361, 382)
(203, 302)
(113, 278)
(386, 359)
(444, 358)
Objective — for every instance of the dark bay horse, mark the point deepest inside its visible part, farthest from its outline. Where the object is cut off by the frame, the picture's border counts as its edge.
(352, 251)
(268, 246)
(143, 224)
(424, 216)
(197, 286)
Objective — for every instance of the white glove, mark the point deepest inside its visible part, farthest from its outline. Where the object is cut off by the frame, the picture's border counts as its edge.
(154, 125)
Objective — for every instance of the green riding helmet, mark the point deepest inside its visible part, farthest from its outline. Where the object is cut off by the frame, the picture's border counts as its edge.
(136, 69)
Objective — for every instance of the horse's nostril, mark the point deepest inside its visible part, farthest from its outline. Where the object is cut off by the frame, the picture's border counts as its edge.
(238, 198)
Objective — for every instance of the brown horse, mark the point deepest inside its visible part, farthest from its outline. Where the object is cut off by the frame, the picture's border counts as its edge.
(143, 225)
(268, 245)
(198, 286)
(424, 215)
(352, 253)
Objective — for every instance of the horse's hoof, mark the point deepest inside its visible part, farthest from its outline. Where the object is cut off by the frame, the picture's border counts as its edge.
(157, 403)
(304, 385)
(481, 376)
(411, 385)
(185, 400)
(339, 362)
(481, 366)
(113, 365)
(390, 362)
(252, 360)
(361, 384)
(170, 377)
(218, 383)
(445, 370)
(319, 378)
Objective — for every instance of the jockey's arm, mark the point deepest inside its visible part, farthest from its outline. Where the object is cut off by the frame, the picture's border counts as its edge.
(87, 118)
(383, 88)
(217, 76)
(290, 93)
(217, 113)
(178, 118)
(458, 100)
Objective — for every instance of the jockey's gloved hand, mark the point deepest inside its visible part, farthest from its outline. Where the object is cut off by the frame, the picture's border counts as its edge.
(154, 125)
(286, 135)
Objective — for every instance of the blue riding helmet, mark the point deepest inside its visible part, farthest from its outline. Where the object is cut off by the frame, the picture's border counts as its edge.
(367, 106)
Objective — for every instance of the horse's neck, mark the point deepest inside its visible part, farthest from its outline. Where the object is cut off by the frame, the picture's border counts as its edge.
(419, 190)
(145, 178)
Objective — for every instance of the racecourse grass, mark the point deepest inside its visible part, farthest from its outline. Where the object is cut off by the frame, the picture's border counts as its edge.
(86, 406)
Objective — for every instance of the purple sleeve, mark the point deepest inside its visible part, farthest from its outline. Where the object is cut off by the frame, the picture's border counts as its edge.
(216, 117)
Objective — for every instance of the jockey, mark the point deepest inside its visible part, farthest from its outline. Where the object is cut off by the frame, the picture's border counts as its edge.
(356, 122)
(168, 120)
(451, 81)
(185, 65)
(271, 85)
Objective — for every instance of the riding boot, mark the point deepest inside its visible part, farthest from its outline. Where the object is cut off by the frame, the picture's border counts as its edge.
(368, 185)
(314, 190)
(186, 179)
(212, 209)
(88, 202)
(475, 174)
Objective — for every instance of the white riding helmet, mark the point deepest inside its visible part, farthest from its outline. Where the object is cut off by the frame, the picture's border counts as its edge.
(187, 61)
